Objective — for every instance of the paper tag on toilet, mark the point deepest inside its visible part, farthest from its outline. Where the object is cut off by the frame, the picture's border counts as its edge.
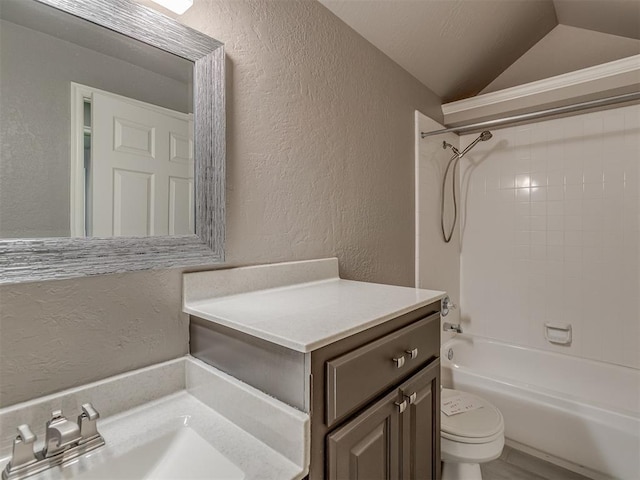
(458, 404)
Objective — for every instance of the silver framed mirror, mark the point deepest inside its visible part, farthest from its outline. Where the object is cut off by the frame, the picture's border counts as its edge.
(36, 259)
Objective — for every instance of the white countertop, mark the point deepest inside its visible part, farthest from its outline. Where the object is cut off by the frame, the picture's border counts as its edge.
(303, 316)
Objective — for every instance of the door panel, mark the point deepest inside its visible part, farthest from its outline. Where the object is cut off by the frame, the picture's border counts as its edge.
(368, 447)
(134, 138)
(368, 457)
(133, 200)
(421, 424)
(181, 149)
(180, 206)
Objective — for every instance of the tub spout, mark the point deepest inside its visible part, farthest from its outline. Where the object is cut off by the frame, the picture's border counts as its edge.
(452, 327)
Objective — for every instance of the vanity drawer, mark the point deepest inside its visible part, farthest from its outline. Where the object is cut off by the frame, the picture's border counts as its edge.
(354, 378)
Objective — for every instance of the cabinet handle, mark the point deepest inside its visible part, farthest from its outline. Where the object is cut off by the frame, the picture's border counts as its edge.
(399, 361)
(402, 406)
(411, 398)
(413, 352)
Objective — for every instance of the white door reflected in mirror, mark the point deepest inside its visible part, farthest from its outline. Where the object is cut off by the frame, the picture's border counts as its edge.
(135, 177)
(55, 64)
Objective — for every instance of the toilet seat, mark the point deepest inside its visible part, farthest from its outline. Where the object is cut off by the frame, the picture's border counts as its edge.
(460, 439)
(483, 425)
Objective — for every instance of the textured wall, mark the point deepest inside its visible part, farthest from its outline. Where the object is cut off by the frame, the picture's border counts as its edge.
(320, 139)
(35, 127)
(320, 163)
(59, 334)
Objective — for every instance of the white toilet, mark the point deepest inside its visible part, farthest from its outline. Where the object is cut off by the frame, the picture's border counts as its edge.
(470, 438)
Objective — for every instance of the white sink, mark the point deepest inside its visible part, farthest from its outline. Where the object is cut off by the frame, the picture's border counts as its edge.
(178, 420)
(181, 454)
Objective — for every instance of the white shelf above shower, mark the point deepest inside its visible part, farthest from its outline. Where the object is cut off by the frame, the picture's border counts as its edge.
(611, 78)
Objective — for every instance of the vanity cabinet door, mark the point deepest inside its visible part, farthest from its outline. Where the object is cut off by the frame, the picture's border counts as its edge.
(421, 425)
(368, 447)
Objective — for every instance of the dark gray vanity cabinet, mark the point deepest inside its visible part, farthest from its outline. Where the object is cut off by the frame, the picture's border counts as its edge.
(373, 397)
(398, 437)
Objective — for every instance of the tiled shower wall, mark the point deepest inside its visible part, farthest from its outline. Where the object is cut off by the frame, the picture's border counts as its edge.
(550, 233)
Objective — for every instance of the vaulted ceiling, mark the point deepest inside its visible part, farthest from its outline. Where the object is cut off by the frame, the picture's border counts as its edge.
(458, 48)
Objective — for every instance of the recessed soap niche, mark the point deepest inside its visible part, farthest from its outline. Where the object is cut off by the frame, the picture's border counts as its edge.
(559, 334)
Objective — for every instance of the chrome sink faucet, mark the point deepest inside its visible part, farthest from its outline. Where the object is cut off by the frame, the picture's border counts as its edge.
(61, 434)
(65, 440)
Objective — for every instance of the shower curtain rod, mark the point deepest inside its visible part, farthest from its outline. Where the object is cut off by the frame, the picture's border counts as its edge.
(627, 97)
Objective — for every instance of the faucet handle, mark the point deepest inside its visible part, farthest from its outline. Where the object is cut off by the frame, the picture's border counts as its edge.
(87, 422)
(23, 453)
(446, 305)
(55, 415)
(25, 434)
(89, 412)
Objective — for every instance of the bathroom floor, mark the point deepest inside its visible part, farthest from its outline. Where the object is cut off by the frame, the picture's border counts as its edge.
(516, 465)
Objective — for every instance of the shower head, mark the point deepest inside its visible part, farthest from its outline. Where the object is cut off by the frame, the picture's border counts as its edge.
(486, 135)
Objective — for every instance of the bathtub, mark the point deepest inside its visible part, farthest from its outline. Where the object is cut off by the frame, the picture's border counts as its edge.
(580, 414)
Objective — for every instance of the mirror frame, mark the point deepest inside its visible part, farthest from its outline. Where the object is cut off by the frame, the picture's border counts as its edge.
(36, 259)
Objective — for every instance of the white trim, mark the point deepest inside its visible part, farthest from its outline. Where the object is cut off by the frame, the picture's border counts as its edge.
(89, 91)
(605, 70)
(416, 199)
(76, 190)
(619, 73)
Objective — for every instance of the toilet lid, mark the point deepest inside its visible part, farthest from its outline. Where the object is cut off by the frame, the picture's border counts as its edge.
(483, 422)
